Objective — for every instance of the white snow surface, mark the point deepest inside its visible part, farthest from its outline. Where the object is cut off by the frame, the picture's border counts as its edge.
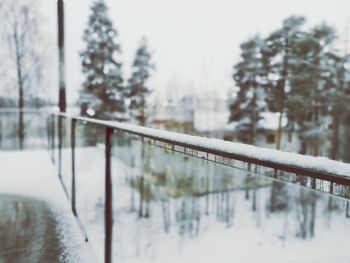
(31, 174)
(253, 236)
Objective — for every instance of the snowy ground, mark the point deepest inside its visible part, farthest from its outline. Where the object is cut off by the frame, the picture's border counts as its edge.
(29, 182)
(198, 211)
(233, 223)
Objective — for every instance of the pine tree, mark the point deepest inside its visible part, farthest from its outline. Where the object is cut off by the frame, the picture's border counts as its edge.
(103, 92)
(250, 101)
(338, 99)
(311, 73)
(138, 90)
(137, 93)
(280, 56)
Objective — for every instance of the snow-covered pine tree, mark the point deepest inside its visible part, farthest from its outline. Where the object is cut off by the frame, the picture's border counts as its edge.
(280, 55)
(102, 95)
(308, 96)
(337, 96)
(250, 101)
(138, 93)
(137, 88)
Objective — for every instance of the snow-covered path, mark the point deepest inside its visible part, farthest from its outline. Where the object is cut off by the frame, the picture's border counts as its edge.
(36, 223)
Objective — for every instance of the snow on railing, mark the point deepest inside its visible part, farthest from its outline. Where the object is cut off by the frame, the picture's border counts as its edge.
(317, 167)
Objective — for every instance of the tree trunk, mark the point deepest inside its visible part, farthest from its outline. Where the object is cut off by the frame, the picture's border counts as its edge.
(20, 81)
(303, 143)
(281, 107)
(313, 216)
(279, 131)
(141, 196)
(346, 141)
(254, 118)
(335, 137)
(282, 93)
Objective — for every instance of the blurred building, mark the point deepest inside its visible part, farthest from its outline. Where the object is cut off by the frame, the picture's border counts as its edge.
(207, 115)
(174, 115)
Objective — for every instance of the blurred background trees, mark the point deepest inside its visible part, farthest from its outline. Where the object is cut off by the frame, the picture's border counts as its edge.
(298, 73)
(23, 60)
(303, 76)
(104, 94)
(103, 91)
(250, 101)
(137, 89)
(280, 56)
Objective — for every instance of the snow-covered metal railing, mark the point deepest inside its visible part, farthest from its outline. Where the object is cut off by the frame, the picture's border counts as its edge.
(315, 167)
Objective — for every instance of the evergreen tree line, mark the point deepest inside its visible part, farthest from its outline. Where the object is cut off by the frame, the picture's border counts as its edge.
(104, 94)
(300, 74)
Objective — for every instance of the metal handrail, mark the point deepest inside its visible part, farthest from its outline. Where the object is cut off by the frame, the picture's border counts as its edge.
(314, 167)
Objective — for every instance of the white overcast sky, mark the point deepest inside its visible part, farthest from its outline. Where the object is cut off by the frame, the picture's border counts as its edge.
(194, 42)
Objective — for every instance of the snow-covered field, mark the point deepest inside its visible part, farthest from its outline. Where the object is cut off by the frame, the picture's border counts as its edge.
(198, 211)
(190, 209)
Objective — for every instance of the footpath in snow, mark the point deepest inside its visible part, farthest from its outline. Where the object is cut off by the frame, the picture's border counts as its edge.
(36, 223)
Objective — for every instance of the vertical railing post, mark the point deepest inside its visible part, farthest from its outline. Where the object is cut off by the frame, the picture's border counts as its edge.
(73, 194)
(60, 147)
(61, 69)
(0, 134)
(53, 138)
(48, 127)
(108, 199)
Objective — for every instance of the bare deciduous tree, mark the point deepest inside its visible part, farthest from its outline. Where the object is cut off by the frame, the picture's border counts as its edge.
(22, 35)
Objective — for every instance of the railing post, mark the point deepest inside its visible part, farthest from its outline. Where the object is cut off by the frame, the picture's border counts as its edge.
(108, 199)
(53, 138)
(60, 147)
(47, 131)
(73, 194)
(61, 68)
